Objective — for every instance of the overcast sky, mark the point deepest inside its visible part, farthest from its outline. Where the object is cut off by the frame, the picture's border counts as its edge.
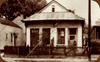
(81, 8)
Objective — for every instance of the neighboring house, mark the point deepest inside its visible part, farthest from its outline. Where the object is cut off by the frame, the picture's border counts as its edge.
(95, 34)
(10, 34)
(18, 22)
(54, 22)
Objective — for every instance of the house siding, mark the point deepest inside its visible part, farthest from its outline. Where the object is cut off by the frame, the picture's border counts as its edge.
(5, 38)
(57, 6)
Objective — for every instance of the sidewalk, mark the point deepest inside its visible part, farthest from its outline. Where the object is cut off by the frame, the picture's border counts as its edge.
(67, 59)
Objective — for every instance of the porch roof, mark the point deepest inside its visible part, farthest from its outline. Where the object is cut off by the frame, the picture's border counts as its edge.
(53, 16)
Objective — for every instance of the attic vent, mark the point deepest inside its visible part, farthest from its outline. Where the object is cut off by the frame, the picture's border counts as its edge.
(53, 8)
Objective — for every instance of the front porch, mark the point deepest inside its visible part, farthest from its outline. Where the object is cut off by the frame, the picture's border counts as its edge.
(63, 34)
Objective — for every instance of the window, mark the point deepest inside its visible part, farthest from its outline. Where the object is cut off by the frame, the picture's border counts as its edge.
(72, 37)
(72, 31)
(61, 36)
(11, 37)
(46, 35)
(53, 8)
(98, 35)
(14, 38)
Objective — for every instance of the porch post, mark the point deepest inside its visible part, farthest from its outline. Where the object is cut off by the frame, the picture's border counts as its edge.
(66, 36)
(28, 37)
(54, 35)
(40, 34)
(79, 42)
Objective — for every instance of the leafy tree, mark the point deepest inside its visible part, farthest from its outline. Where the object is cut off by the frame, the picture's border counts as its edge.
(13, 8)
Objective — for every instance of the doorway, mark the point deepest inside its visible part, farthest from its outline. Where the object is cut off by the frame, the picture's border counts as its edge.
(34, 37)
(72, 36)
(46, 35)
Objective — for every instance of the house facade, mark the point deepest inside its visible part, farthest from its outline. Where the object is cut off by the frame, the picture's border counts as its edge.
(10, 34)
(56, 25)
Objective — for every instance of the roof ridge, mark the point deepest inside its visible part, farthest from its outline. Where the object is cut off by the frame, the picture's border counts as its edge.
(51, 3)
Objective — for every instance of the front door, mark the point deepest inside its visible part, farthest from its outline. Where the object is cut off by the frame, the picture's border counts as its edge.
(46, 36)
(72, 36)
(34, 37)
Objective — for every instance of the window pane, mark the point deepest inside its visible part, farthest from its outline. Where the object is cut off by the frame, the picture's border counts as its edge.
(73, 31)
(72, 37)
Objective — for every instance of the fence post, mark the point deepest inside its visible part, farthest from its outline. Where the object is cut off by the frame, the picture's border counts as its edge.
(27, 49)
(65, 51)
(18, 51)
(51, 50)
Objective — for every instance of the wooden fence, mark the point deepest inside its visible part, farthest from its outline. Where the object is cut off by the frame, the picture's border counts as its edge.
(66, 51)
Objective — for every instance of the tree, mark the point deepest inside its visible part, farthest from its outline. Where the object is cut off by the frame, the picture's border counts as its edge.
(13, 8)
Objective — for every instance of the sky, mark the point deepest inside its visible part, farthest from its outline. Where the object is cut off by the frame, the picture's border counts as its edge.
(81, 9)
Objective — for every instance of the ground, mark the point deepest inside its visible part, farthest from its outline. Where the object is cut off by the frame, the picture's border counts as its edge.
(67, 59)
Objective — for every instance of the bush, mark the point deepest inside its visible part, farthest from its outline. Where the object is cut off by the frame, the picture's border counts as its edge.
(95, 48)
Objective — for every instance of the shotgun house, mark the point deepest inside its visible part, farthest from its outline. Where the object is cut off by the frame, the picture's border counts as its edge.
(54, 22)
(95, 34)
(10, 34)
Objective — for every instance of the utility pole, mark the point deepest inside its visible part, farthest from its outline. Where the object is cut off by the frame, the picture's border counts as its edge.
(89, 30)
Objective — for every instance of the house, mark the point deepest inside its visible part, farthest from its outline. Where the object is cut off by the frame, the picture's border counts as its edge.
(54, 22)
(10, 34)
(18, 22)
(95, 33)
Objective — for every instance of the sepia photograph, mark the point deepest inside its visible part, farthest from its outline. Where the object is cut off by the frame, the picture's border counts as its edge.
(49, 31)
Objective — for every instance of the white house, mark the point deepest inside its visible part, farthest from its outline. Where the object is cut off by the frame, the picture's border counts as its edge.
(54, 22)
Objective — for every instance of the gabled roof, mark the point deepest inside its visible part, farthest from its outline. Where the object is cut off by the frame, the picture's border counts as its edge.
(9, 23)
(54, 16)
(53, 1)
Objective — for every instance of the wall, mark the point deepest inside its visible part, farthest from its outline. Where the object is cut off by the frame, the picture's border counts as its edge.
(57, 6)
(5, 36)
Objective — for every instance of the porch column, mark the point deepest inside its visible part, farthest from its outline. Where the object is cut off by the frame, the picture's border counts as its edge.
(54, 35)
(66, 36)
(28, 37)
(79, 43)
(40, 34)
